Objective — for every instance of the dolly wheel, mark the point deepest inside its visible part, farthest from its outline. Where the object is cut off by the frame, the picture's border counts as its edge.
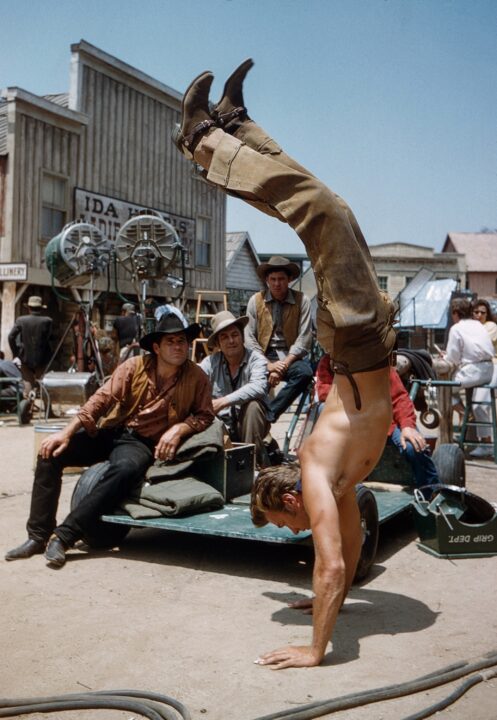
(370, 530)
(102, 534)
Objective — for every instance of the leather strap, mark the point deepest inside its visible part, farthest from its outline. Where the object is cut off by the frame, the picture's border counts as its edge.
(342, 369)
(190, 140)
(224, 119)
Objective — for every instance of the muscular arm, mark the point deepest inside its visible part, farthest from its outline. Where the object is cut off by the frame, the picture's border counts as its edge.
(329, 576)
(343, 448)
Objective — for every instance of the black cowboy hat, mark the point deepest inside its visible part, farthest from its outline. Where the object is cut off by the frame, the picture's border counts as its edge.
(169, 324)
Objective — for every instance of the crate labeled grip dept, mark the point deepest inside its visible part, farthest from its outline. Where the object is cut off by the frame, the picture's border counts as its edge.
(453, 522)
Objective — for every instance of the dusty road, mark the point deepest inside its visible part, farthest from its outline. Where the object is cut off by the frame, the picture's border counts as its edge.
(187, 616)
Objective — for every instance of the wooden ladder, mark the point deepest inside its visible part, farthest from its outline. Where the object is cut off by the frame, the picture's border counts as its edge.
(209, 297)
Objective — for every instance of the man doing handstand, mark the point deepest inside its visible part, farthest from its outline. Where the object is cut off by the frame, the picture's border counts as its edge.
(354, 322)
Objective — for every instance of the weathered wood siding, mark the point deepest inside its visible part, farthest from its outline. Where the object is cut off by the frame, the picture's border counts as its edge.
(241, 274)
(127, 153)
(3, 187)
(41, 146)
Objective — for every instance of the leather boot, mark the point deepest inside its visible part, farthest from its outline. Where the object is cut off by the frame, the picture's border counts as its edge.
(55, 554)
(26, 550)
(195, 118)
(230, 111)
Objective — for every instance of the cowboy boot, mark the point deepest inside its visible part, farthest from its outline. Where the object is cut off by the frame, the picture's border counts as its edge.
(195, 118)
(230, 111)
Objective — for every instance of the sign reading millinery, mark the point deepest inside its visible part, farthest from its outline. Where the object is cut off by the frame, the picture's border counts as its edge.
(109, 214)
(14, 272)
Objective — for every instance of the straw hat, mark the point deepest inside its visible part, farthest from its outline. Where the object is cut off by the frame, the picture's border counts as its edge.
(223, 320)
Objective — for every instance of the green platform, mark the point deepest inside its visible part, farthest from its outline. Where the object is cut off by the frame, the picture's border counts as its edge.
(234, 520)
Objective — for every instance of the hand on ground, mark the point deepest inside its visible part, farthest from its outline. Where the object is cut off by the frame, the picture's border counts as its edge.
(291, 656)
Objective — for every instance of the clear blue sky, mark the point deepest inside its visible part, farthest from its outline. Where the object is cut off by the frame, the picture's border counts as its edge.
(392, 103)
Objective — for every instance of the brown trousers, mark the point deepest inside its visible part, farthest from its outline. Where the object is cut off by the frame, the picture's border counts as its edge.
(354, 319)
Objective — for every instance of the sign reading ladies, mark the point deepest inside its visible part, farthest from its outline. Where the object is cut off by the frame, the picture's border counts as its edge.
(109, 215)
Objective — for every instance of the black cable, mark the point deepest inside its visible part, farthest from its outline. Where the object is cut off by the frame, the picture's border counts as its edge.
(445, 675)
(150, 705)
(155, 706)
(455, 695)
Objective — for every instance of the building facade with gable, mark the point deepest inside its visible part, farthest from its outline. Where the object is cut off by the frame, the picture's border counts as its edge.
(480, 251)
(242, 280)
(101, 152)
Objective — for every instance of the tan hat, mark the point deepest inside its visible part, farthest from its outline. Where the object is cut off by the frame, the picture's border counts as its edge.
(275, 263)
(35, 301)
(223, 320)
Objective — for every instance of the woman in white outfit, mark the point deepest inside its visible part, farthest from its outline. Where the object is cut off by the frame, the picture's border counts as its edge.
(471, 352)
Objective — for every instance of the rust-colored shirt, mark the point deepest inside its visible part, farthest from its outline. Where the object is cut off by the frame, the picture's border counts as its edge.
(151, 418)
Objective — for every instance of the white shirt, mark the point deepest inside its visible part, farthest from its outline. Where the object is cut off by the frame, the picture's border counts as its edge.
(469, 343)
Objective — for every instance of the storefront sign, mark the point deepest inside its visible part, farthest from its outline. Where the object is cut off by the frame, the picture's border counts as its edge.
(14, 272)
(109, 215)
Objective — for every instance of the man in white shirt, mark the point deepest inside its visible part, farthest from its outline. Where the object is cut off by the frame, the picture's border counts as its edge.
(469, 347)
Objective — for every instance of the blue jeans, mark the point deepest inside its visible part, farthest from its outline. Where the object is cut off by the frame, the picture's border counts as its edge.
(422, 465)
(129, 454)
(296, 380)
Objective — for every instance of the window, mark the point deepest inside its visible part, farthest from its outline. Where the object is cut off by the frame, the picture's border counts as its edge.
(53, 204)
(383, 282)
(203, 242)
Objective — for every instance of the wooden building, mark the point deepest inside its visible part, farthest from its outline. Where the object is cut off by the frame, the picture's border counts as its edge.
(101, 152)
(242, 280)
(480, 251)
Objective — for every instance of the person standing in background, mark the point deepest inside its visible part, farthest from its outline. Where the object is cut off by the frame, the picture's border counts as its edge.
(29, 340)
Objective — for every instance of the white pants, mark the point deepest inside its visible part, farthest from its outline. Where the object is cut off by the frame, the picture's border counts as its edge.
(484, 373)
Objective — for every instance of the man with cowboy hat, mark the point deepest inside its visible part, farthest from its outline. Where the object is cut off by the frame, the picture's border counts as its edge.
(280, 328)
(239, 383)
(146, 409)
(29, 341)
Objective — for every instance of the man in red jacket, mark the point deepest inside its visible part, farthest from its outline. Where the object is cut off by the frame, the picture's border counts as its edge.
(403, 432)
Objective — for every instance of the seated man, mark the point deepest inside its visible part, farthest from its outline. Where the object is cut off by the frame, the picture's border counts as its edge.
(403, 433)
(280, 328)
(239, 383)
(11, 385)
(146, 409)
(354, 324)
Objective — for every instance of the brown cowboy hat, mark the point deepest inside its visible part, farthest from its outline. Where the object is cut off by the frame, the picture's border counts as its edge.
(223, 320)
(275, 263)
(169, 324)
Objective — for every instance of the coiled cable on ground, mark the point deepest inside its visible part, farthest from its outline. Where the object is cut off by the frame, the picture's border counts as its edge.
(150, 705)
(390, 692)
(454, 695)
(158, 707)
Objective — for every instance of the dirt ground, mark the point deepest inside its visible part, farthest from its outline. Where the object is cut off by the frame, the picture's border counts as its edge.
(187, 616)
